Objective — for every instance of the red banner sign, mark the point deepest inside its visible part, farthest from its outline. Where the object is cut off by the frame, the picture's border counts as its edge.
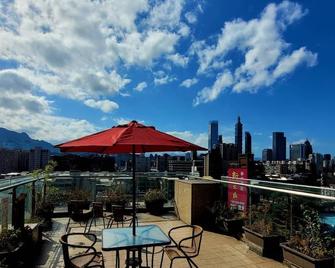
(237, 194)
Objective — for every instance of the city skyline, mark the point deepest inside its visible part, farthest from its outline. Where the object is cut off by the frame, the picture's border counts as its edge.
(62, 78)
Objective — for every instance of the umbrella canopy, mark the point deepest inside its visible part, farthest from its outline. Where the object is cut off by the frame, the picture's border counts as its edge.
(129, 138)
(124, 138)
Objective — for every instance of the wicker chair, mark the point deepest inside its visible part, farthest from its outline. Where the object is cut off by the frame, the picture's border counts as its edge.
(97, 213)
(118, 217)
(77, 213)
(86, 255)
(187, 248)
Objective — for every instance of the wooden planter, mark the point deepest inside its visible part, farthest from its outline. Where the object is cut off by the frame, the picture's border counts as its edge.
(266, 246)
(155, 208)
(13, 255)
(295, 258)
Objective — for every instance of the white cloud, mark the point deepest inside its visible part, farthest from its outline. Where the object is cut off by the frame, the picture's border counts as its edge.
(166, 14)
(200, 139)
(178, 59)
(208, 94)
(288, 63)
(141, 86)
(161, 78)
(104, 105)
(75, 49)
(191, 17)
(51, 128)
(267, 55)
(189, 82)
(123, 121)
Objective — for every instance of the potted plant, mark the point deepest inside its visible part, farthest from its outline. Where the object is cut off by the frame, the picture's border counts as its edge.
(312, 246)
(154, 200)
(14, 246)
(263, 236)
(111, 198)
(227, 220)
(79, 195)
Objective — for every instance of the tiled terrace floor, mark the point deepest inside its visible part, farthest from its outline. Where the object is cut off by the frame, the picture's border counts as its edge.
(216, 251)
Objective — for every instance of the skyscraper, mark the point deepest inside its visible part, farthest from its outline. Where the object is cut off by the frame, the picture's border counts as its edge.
(238, 135)
(278, 146)
(247, 143)
(297, 152)
(213, 134)
(267, 155)
(308, 149)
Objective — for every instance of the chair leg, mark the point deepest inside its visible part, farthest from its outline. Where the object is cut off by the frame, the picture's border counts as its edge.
(162, 259)
(192, 262)
(68, 225)
(153, 256)
(171, 263)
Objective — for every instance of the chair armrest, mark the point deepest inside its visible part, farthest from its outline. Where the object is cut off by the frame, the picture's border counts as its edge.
(85, 234)
(177, 228)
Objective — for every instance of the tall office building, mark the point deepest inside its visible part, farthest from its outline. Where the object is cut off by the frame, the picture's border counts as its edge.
(247, 143)
(38, 158)
(238, 135)
(267, 155)
(297, 152)
(278, 146)
(308, 149)
(213, 134)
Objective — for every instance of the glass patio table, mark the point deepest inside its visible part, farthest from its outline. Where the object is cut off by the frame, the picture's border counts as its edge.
(117, 239)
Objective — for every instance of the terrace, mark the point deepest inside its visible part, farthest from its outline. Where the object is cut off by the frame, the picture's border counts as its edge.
(277, 207)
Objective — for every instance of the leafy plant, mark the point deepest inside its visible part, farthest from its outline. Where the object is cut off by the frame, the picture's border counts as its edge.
(154, 196)
(154, 201)
(313, 239)
(10, 239)
(221, 211)
(77, 195)
(262, 222)
(114, 197)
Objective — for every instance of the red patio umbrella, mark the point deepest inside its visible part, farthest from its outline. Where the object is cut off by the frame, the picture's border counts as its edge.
(129, 138)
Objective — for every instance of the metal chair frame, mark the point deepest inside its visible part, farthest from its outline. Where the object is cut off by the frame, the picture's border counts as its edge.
(181, 247)
(68, 260)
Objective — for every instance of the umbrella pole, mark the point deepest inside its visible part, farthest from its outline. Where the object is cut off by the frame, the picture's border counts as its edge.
(134, 191)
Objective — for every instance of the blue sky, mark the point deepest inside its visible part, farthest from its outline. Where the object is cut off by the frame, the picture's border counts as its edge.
(69, 68)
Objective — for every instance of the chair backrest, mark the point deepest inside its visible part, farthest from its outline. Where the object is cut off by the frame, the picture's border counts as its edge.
(63, 240)
(118, 213)
(98, 210)
(196, 239)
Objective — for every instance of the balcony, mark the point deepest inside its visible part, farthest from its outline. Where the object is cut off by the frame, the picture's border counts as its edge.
(272, 209)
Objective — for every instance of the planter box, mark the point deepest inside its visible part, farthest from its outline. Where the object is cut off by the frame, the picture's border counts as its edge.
(297, 259)
(13, 257)
(155, 208)
(266, 246)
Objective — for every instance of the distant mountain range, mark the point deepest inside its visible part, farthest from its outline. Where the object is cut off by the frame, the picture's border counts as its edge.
(13, 140)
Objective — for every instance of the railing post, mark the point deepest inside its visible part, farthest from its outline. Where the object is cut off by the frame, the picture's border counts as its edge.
(33, 199)
(13, 205)
(290, 201)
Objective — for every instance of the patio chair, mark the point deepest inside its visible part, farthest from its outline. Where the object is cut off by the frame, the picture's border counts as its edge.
(97, 213)
(118, 217)
(85, 255)
(187, 248)
(78, 213)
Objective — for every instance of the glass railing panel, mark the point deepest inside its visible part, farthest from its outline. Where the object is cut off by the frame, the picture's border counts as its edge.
(6, 209)
(26, 190)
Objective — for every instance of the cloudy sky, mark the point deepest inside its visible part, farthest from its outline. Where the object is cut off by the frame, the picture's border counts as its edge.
(69, 68)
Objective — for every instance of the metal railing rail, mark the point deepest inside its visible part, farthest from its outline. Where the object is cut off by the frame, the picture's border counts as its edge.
(292, 192)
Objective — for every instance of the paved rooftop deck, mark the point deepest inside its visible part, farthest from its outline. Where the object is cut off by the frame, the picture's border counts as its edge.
(216, 251)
